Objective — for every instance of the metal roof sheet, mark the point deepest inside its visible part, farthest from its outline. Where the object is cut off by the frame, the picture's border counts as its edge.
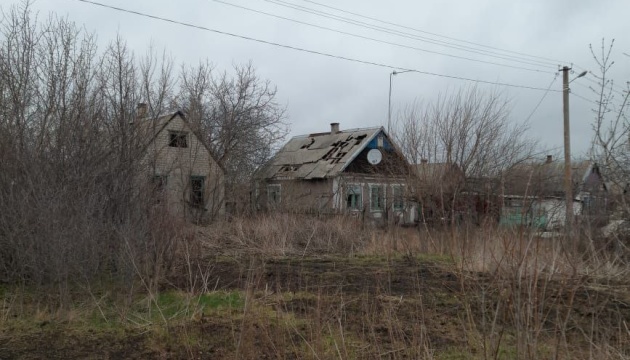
(318, 156)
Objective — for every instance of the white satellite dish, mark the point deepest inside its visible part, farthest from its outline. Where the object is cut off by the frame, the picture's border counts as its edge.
(374, 156)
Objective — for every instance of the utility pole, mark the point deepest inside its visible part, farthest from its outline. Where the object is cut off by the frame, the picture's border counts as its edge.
(568, 186)
(568, 181)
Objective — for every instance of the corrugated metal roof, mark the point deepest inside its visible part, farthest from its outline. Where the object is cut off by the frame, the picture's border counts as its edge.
(318, 156)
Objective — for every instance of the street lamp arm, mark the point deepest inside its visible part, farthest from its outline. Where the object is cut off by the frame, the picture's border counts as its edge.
(389, 103)
(401, 72)
(583, 73)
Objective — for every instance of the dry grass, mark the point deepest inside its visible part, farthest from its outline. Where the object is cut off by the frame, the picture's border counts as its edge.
(286, 235)
(480, 249)
(331, 288)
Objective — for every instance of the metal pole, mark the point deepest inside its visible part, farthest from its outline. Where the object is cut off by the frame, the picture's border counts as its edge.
(389, 104)
(568, 186)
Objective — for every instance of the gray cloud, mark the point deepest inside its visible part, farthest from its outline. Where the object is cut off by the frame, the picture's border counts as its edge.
(319, 90)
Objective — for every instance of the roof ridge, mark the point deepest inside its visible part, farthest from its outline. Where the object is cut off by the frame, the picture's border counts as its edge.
(340, 132)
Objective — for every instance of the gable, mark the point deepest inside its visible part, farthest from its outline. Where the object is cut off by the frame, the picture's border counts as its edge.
(392, 162)
(373, 144)
(157, 131)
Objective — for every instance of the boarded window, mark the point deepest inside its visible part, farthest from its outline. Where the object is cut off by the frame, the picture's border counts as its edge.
(353, 197)
(399, 202)
(376, 198)
(197, 186)
(178, 139)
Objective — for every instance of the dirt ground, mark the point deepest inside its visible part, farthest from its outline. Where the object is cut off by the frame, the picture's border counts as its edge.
(359, 308)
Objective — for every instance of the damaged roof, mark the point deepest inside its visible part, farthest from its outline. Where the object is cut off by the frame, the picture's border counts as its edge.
(318, 156)
(547, 179)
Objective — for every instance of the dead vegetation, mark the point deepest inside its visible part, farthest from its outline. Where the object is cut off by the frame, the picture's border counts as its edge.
(301, 287)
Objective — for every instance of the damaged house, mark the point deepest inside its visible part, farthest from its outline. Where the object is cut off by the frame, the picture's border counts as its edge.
(533, 194)
(184, 175)
(359, 172)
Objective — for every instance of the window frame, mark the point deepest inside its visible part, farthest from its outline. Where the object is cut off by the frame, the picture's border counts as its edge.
(196, 200)
(398, 202)
(175, 139)
(358, 202)
(274, 202)
(382, 198)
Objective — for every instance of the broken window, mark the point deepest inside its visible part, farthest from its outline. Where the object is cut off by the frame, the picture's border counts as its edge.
(273, 194)
(178, 139)
(376, 198)
(289, 168)
(353, 197)
(197, 184)
(398, 202)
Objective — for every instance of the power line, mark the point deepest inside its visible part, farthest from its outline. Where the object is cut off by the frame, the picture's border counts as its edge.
(375, 40)
(598, 89)
(597, 82)
(542, 98)
(431, 33)
(406, 35)
(583, 98)
(366, 62)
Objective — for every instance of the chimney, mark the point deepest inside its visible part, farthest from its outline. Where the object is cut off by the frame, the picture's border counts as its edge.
(334, 128)
(549, 159)
(141, 110)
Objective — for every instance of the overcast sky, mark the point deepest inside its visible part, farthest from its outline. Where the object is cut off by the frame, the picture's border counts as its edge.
(319, 90)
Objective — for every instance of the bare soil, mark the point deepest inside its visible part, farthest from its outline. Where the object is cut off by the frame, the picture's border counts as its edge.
(360, 307)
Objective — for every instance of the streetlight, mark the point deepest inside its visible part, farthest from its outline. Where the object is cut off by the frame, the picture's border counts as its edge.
(568, 182)
(389, 105)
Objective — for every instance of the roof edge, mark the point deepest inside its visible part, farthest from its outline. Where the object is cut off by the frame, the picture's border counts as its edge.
(360, 148)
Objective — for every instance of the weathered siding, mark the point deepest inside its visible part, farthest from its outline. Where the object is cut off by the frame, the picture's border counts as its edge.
(546, 213)
(387, 212)
(330, 196)
(303, 196)
(179, 164)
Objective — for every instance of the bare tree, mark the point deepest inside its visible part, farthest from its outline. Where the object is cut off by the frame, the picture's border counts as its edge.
(469, 128)
(238, 115)
(470, 133)
(74, 180)
(70, 159)
(611, 143)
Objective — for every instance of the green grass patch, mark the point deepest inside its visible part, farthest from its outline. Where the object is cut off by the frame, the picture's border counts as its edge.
(217, 300)
(174, 304)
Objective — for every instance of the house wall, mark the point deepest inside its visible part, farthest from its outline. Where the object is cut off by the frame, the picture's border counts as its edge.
(330, 196)
(387, 213)
(303, 196)
(545, 213)
(179, 164)
(556, 212)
